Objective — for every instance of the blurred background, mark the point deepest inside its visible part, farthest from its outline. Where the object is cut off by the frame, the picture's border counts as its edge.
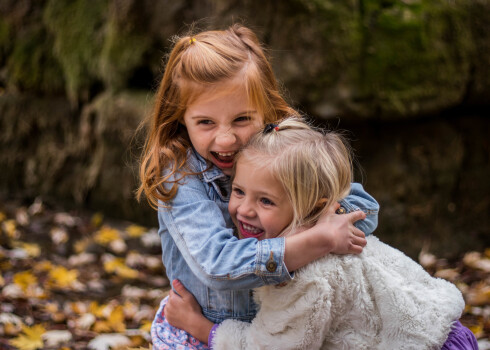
(80, 259)
(408, 79)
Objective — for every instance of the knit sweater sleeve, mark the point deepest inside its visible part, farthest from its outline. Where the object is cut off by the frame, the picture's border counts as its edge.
(295, 316)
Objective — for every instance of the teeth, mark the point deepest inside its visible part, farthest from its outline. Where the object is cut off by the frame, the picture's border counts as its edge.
(226, 154)
(251, 229)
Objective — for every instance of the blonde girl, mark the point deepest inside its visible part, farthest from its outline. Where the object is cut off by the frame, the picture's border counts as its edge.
(285, 179)
(218, 90)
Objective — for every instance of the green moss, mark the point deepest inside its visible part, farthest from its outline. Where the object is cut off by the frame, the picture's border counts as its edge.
(31, 64)
(77, 28)
(122, 52)
(5, 41)
(414, 51)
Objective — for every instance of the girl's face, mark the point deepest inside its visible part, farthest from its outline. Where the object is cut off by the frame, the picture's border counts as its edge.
(259, 205)
(219, 123)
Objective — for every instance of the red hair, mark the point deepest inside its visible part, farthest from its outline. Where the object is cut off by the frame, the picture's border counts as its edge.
(198, 62)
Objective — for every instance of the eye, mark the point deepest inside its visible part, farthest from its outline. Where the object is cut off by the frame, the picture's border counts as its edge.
(205, 122)
(243, 118)
(237, 191)
(266, 201)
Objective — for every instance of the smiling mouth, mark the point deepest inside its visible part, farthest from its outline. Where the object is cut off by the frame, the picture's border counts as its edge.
(224, 159)
(249, 231)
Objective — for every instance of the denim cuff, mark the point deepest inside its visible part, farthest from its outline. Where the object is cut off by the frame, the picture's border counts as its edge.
(270, 264)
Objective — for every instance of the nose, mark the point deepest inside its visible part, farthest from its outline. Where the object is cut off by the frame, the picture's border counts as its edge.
(225, 138)
(246, 209)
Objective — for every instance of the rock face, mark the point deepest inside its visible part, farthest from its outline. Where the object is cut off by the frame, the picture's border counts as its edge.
(408, 78)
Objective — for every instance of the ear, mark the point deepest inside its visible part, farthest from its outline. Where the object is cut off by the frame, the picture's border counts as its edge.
(321, 203)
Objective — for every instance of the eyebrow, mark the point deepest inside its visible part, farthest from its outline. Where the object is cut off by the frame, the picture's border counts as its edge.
(247, 112)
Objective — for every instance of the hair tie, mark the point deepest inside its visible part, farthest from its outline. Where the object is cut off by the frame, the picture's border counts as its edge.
(192, 40)
(269, 127)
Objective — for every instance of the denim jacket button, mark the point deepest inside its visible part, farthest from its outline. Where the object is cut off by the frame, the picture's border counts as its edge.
(341, 210)
(271, 266)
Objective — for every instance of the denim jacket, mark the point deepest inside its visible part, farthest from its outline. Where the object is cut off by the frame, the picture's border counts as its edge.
(199, 248)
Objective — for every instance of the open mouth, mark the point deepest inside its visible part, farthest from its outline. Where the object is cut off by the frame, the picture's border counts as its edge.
(224, 159)
(249, 231)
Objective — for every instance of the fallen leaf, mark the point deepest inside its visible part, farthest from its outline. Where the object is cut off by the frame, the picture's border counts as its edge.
(31, 339)
(447, 274)
(107, 341)
(25, 280)
(62, 277)
(478, 294)
(97, 219)
(58, 235)
(135, 231)
(116, 319)
(119, 267)
(32, 250)
(106, 235)
(65, 219)
(10, 228)
(81, 259)
(56, 337)
(85, 321)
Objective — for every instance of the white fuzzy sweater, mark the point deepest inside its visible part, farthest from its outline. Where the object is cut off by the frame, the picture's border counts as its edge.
(380, 299)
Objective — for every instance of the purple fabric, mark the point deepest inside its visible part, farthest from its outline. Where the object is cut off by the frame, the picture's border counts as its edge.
(211, 335)
(166, 337)
(460, 338)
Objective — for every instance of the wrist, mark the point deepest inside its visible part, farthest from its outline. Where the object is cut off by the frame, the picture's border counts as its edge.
(201, 328)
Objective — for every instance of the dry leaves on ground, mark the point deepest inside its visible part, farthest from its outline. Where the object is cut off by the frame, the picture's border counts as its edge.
(78, 281)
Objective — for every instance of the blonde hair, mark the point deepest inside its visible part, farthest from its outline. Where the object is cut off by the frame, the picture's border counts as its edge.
(314, 167)
(197, 63)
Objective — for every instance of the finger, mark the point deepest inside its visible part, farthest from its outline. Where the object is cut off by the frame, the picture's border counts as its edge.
(180, 289)
(356, 232)
(355, 249)
(356, 216)
(359, 241)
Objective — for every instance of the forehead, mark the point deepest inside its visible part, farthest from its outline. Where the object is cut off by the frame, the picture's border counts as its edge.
(255, 174)
(202, 93)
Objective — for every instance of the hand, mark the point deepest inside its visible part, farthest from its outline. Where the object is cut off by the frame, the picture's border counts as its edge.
(344, 237)
(183, 311)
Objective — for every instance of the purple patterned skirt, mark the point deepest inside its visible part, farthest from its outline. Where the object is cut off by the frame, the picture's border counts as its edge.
(164, 336)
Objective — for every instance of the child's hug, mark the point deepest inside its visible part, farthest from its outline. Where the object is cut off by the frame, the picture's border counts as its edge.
(218, 89)
(285, 180)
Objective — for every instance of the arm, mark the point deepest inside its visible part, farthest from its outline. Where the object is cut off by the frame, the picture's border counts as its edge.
(198, 228)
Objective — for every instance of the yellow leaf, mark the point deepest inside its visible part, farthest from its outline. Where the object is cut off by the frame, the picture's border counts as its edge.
(61, 277)
(10, 228)
(135, 231)
(101, 327)
(43, 266)
(25, 280)
(31, 339)
(106, 235)
(97, 219)
(477, 330)
(118, 266)
(33, 250)
(81, 245)
(116, 319)
(146, 326)
(97, 310)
